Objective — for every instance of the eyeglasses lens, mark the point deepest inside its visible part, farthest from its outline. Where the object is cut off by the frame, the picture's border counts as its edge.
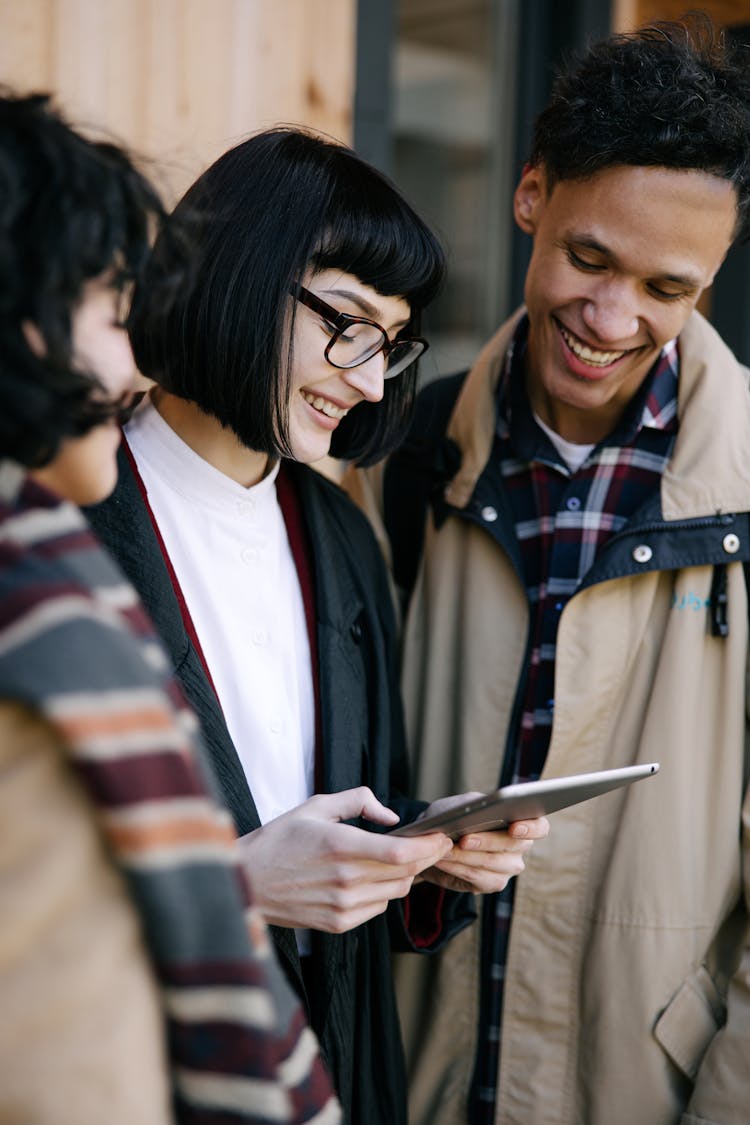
(402, 355)
(362, 341)
(356, 344)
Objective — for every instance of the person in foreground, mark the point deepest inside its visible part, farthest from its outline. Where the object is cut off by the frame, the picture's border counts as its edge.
(137, 980)
(297, 337)
(573, 517)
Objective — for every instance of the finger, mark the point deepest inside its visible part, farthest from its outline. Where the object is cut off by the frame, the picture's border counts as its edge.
(529, 829)
(323, 916)
(493, 842)
(336, 922)
(486, 884)
(497, 863)
(404, 854)
(353, 803)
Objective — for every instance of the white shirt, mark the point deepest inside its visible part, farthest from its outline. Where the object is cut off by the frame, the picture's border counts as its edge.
(229, 549)
(572, 453)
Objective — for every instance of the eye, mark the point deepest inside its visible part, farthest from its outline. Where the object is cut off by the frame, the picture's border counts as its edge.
(582, 263)
(353, 332)
(665, 294)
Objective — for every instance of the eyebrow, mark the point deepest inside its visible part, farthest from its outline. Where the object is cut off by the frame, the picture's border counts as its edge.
(365, 306)
(686, 280)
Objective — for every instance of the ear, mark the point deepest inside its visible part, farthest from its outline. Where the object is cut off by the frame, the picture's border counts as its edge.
(529, 198)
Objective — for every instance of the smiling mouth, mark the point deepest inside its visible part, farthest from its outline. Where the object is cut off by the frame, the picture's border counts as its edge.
(325, 406)
(591, 356)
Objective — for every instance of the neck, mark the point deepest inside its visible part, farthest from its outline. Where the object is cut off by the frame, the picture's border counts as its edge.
(206, 436)
(581, 427)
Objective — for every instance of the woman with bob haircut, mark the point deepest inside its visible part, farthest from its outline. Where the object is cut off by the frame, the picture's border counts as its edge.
(297, 338)
(136, 978)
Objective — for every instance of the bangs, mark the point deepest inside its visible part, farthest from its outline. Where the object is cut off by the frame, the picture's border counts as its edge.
(371, 232)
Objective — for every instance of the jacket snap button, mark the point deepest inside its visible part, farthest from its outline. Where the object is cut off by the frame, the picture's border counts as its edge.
(731, 543)
(356, 632)
(489, 514)
(642, 553)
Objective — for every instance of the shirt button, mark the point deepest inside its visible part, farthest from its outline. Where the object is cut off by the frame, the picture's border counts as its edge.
(259, 637)
(731, 543)
(550, 704)
(559, 607)
(489, 514)
(245, 507)
(249, 555)
(642, 553)
(573, 504)
(276, 725)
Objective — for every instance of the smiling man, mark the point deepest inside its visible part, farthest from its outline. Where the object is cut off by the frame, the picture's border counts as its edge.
(570, 520)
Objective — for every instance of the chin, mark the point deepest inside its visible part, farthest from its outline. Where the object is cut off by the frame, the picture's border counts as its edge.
(99, 491)
(308, 452)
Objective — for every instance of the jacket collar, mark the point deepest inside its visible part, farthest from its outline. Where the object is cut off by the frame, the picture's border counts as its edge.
(705, 476)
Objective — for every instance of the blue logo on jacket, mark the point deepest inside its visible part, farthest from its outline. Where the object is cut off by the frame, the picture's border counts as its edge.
(689, 601)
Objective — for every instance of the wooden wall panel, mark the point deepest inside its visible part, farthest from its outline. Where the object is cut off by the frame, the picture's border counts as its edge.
(182, 80)
(632, 13)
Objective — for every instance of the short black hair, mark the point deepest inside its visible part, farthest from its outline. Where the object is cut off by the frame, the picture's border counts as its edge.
(281, 202)
(70, 209)
(674, 94)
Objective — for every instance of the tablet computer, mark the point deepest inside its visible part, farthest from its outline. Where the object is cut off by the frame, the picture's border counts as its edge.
(523, 801)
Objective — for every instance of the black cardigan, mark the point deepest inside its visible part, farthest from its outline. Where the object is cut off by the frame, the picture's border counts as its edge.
(348, 989)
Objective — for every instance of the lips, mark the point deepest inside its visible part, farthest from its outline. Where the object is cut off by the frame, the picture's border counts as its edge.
(325, 406)
(592, 357)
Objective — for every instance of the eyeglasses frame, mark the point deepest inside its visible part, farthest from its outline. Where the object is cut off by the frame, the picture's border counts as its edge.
(341, 321)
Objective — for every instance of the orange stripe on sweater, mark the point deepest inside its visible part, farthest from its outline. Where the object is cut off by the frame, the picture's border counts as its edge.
(118, 722)
(141, 837)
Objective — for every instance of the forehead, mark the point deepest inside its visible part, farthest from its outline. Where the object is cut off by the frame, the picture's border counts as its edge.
(349, 294)
(658, 221)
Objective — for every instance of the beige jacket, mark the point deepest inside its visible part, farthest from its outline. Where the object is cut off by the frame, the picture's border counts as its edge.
(627, 999)
(81, 1031)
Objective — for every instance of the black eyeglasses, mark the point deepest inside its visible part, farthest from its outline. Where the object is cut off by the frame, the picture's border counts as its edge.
(355, 339)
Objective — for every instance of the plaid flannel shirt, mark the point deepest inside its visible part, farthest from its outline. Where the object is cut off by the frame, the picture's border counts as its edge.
(562, 519)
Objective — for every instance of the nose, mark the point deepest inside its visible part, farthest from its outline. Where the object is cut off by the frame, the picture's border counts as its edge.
(611, 313)
(368, 378)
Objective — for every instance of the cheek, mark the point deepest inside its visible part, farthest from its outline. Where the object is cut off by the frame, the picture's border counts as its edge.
(307, 440)
(671, 322)
(549, 282)
(108, 354)
(308, 356)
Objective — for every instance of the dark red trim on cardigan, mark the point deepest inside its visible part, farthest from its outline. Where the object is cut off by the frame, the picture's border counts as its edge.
(299, 541)
(423, 914)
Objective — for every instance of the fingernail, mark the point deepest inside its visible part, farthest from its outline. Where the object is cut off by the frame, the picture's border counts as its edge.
(520, 829)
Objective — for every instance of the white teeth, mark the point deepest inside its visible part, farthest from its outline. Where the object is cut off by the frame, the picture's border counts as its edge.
(324, 406)
(588, 355)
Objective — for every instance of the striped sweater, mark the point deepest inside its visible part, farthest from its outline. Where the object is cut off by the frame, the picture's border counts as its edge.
(77, 647)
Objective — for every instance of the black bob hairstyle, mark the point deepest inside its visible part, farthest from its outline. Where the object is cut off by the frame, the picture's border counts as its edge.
(276, 205)
(70, 209)
(672, 94)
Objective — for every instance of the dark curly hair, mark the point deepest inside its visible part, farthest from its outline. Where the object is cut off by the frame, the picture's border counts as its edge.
(673, 95)
(70, 209)
(281, 202)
